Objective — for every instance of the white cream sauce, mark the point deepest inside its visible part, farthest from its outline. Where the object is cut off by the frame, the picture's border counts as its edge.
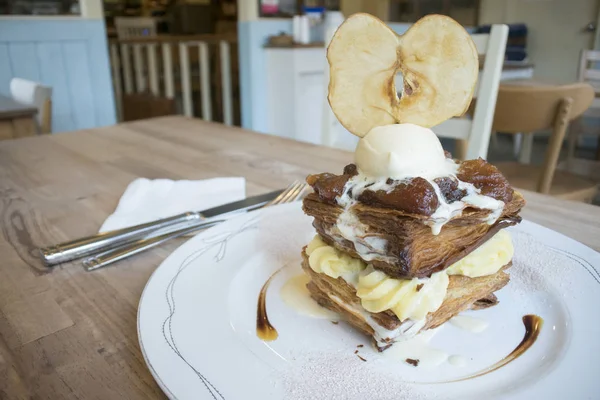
(457, 360)
(296, 296)
(470, 324)
(406, 330)
(350, 228)
(418, 349)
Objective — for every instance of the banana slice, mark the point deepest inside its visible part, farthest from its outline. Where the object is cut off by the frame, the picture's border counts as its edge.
(436, 56)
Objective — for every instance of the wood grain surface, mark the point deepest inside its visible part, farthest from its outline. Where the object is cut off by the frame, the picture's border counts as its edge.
(69, 334)
(18, 127)
(16, 119)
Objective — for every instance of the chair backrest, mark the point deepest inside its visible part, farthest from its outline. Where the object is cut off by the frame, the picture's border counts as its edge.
(532, 108)
(134, 27)
(37, 95)
(477, 131)
(589, 73)
(529, 108)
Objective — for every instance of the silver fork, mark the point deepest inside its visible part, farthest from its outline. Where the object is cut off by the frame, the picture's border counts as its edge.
(292, 193)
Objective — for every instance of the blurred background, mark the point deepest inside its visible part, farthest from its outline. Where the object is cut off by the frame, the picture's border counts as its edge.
(260, 64)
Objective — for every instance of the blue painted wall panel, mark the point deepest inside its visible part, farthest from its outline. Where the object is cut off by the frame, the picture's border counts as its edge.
(71, 56)
(5, 69)
(101, 79)
(53, 73)
(23, 60)
(80, 84)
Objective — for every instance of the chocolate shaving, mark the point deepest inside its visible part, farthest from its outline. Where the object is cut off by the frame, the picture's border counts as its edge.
(335, 322)
(360, 357)
(360, 345)
(420, 286)
(413, 362)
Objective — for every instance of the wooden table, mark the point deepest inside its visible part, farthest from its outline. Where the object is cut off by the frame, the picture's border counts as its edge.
(66, 333)
(16, 119)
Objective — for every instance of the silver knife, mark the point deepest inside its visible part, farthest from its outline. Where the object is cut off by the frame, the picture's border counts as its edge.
(72, 250)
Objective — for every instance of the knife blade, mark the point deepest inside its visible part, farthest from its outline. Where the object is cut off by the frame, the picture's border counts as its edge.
(247, 204)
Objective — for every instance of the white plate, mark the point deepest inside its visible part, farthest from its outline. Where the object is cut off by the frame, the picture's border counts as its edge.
(197, 324)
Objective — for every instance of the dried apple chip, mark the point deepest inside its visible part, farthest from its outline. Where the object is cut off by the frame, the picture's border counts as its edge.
(436, 56)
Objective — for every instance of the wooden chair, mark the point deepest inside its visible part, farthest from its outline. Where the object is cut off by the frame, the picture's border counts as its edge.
(473, 134)
(37, 95)
(138, 106)
(534, 108)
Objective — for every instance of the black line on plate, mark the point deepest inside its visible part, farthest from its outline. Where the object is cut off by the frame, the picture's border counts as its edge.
(579, 260)
(220, 241)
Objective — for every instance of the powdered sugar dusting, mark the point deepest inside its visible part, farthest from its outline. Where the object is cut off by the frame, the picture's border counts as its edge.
(345, 376)
(537, 267)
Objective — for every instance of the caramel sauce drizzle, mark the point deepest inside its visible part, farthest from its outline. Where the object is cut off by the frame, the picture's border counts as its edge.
(264, 329)
(533, 326)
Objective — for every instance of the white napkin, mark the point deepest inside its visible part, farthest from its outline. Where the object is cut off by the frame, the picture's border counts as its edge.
(32, 93)
(147, 200)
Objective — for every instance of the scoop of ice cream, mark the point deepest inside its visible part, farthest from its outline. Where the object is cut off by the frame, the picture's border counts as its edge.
(401, 151)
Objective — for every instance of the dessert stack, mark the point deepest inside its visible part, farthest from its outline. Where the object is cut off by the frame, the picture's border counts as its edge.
(406, 237)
